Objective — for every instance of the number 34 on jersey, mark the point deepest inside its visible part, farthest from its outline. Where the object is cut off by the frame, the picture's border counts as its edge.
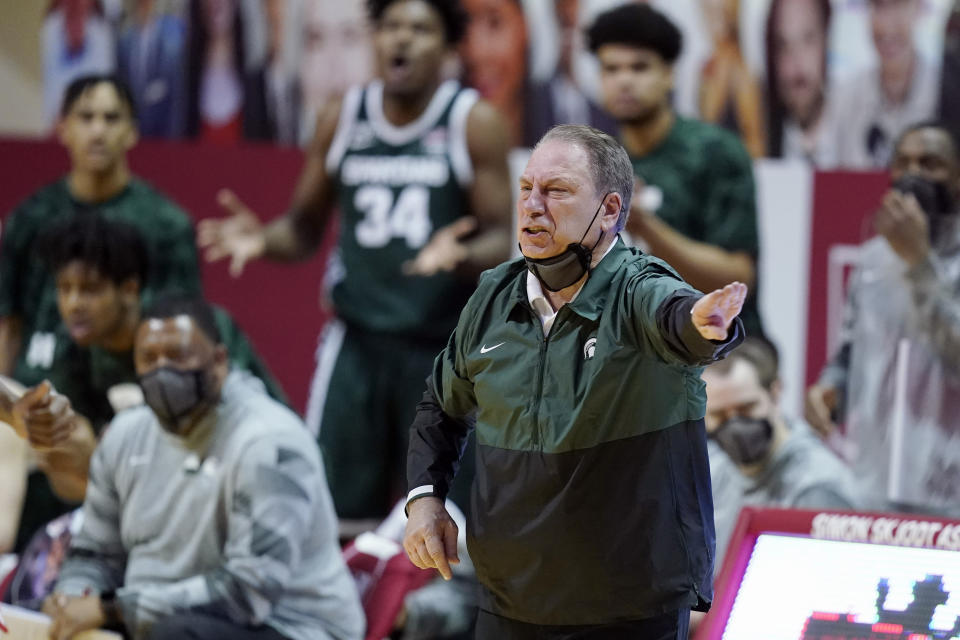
(393, 197)
(384, 217)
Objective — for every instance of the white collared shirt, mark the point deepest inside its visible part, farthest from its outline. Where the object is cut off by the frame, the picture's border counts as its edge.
(541, 305)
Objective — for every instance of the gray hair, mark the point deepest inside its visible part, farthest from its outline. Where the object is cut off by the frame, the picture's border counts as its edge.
(609, 163)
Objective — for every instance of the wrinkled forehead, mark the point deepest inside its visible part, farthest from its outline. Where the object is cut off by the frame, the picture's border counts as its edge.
(558, 160)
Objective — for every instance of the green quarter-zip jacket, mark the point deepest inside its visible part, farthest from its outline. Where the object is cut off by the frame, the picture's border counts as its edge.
(591, 501)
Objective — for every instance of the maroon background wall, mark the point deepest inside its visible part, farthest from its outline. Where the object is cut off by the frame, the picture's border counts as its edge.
(843, 207)
(277, 305)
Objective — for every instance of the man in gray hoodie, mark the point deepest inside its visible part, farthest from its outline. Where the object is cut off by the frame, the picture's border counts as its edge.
(207, 513)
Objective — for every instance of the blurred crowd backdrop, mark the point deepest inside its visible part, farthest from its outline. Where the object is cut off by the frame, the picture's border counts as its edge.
(829, 81)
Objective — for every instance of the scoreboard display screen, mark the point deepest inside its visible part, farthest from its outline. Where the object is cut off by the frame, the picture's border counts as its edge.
(806, 575)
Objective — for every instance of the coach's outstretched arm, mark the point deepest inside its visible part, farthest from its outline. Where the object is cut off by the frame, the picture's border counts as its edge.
(687, 327)
(713, 315)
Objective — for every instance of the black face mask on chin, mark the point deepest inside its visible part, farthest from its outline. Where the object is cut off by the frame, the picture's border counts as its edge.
(566, 268)
(746, 440)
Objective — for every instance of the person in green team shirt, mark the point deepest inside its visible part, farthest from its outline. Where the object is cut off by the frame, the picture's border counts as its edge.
(417, 168)
(695, 205)
(98, 127)
(98, 266)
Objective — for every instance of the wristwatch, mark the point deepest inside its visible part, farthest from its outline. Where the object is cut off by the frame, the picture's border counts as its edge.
(110, 607)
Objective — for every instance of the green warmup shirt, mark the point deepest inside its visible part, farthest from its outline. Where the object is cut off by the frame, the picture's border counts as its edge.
(591, 501)
(396, 187)
(86, 376)
(700, 182)
(27, 288)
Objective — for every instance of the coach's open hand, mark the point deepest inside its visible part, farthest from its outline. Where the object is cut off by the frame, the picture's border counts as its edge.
(713, 313)
(431, 537)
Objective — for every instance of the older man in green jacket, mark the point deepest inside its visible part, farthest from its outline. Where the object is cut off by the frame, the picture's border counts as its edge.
(579, 364)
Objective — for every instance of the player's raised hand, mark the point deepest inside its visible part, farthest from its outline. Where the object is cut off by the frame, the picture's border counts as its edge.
(239, 236)
(431, 536)
(713, 313)
(444, 251)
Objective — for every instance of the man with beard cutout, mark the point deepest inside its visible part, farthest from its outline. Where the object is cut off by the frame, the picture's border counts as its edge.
(695, 203)
(207, 513)
(796, 35)
(579, 365)
(417, 166)
(895, 379)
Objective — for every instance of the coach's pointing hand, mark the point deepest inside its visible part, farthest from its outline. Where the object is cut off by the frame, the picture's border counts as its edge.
(713, 313)
(431, 537)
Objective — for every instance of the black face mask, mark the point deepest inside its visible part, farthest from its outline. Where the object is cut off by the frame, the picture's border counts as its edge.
(174, 394)
(566, 268)
(746, 440)
(934, 197)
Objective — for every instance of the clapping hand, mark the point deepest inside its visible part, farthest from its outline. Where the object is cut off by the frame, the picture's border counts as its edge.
(62, 440)
(904, 225)
(239, 236)
(44, 417)
(820, 403)
(713, 313)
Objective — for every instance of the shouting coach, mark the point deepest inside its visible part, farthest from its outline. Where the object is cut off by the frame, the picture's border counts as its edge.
(579, 365)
